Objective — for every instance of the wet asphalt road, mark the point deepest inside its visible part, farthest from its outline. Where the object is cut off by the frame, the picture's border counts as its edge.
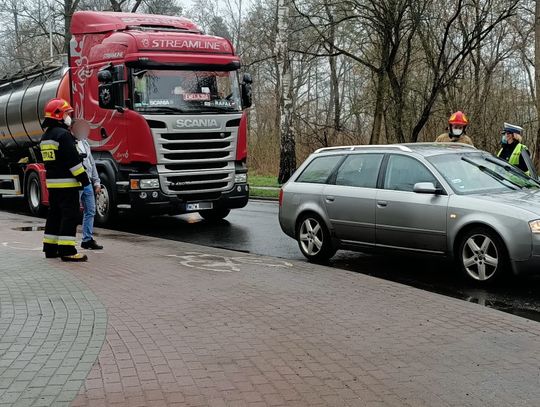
(255, 229)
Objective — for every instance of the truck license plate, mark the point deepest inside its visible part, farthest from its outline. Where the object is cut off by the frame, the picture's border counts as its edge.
(198, 206)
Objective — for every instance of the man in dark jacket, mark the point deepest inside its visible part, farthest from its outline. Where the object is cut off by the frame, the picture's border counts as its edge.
(65, 177)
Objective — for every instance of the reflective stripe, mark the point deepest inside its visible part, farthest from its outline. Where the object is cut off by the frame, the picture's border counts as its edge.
(66, 241)
(47, 147)
(49, 143)
(76, 170)
(50, 240)
(63, 183)
(50, 237)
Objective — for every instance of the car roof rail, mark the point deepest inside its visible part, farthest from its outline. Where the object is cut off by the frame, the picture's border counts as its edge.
(363, 147)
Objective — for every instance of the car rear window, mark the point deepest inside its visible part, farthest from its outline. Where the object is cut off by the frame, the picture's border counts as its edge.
(319, 169)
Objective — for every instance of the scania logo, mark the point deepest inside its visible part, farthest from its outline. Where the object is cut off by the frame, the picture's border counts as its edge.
(196, 123)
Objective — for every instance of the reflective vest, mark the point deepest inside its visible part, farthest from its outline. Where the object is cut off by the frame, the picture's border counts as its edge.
(514, 157)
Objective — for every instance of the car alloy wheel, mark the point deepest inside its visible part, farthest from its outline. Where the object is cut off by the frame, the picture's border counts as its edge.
(314, 239)
(311, 237)
(482, 255)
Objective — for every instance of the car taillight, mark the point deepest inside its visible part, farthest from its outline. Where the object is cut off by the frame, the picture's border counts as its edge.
(280, 196)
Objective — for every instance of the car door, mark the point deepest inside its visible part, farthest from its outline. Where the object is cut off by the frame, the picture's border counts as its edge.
(350, 199)
(407, 219)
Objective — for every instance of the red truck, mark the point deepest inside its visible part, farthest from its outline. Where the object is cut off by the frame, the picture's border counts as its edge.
(165, 107)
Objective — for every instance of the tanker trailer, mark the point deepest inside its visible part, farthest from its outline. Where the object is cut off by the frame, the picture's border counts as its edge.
(22, 99)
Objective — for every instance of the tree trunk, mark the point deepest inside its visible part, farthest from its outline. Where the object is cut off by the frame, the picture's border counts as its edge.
(536, 152)
(287, 159)
(378, 114)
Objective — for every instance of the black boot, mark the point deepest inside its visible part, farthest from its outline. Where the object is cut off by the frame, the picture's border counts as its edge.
(91, 244)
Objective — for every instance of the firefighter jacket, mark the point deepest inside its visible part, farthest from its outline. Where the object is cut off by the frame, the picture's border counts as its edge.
(62, 160)
(445, 138)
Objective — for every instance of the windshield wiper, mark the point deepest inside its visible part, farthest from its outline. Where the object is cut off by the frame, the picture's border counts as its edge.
(489, 171)
(162, 108)
(218, 109)
(512, 169)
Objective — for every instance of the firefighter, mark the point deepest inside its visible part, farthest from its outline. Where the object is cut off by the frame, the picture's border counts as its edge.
(457, 127)
(512, 150)
(65, 177)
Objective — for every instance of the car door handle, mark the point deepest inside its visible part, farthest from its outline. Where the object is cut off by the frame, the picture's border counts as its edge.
(382, 204)
(330, 198)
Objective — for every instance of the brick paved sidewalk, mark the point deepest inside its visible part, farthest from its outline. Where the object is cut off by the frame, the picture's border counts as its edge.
(194, 326)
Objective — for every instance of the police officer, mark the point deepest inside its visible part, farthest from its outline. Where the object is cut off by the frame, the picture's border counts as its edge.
(65, 177)
(512, 150)
(457, 127)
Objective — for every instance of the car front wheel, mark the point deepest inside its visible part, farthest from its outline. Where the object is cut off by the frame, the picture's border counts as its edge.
(314, 239)
(482, 256)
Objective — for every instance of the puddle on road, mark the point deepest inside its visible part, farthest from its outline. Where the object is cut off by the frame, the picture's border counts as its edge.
(29, 228)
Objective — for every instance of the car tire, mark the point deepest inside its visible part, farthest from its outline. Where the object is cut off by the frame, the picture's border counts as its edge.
(214, 215)
(482, 256)
(34, 194)
(105, 201)
(314, 239)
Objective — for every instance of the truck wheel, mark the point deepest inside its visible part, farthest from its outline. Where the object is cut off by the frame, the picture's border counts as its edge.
(213, 215)
(33, 195)
(105, 202)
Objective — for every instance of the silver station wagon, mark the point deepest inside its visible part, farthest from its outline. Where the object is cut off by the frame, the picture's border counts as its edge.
(443, 199)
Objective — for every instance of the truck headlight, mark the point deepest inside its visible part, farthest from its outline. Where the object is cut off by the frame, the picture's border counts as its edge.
(535, 226)
(240, 178)
(150, 183)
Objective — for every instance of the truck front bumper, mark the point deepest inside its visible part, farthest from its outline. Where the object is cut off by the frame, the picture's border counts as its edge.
(154, 201)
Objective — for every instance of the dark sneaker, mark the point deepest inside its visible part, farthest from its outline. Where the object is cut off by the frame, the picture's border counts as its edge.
(51, 255)
(75, 257)
(91, 244)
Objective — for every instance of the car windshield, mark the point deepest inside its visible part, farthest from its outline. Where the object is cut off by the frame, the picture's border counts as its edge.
(476, 173)
(183, 91)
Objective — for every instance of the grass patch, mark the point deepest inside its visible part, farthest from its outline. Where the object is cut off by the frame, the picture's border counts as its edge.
(263, 181)
(263, 193)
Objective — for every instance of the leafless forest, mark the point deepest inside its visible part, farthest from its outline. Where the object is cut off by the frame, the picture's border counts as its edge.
(335, 72)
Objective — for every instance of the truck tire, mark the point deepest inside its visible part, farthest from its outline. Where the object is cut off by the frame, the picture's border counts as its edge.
(33, 195)
(213, 215)
(105, 201)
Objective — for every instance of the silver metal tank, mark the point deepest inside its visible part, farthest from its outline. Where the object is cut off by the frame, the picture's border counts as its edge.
(22, 100)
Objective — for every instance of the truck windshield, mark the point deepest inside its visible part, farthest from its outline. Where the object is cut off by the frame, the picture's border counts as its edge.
(181, 91)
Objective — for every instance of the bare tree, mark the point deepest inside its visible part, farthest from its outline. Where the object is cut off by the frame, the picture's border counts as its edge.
(287, 161)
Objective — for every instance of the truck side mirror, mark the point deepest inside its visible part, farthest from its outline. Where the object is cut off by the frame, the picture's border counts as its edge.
(247, 99)
(104, 76)
(110, 91)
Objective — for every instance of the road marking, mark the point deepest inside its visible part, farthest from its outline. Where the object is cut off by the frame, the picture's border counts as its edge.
(224, 264)
(10, 245)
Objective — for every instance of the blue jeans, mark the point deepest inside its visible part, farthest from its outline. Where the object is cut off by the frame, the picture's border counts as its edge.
(88, 200)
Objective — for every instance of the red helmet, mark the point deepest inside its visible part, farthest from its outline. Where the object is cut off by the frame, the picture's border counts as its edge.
(458, 118)
(55, 109)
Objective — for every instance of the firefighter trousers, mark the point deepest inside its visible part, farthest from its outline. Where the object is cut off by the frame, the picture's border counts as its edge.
(62, 221)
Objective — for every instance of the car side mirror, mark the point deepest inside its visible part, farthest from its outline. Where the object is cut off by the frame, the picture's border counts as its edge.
(426, 188)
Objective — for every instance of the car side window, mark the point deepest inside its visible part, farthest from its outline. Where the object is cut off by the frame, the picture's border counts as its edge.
(403, 172)
(359, 170)
(319, 169)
